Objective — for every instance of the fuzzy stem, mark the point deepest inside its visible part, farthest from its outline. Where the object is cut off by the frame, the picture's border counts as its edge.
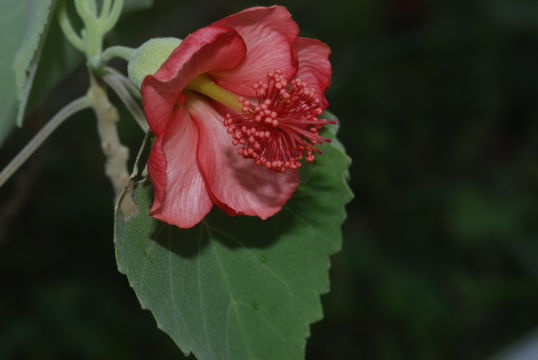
(116, 153)
(123, 52)
(92, 34)
(113, 15)
(105, 8)
(127, 84)
(70, 109)
(67, 28)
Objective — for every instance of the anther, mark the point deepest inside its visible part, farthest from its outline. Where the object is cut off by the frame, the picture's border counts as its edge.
(282, 127)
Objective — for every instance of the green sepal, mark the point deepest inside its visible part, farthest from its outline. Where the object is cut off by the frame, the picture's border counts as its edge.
(149, 57)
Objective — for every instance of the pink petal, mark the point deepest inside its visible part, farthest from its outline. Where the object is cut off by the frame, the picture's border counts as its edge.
(237, 185)
(157, 173)
(212, 48)
(180, 195)
(269, 33)
(314, 65)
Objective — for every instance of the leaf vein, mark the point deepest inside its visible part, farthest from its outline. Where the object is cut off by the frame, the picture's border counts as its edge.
(271, 272)
(171, 285)
(227, 283)
(316, 233)
(202, 306)
(269, 325)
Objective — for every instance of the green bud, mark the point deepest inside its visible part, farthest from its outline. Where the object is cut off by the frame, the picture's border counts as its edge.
(149, 57)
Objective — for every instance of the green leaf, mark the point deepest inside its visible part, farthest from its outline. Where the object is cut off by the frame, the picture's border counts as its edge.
(14, 22)
(239, 287)
(333, 128)
(38, 17)
(58, 60)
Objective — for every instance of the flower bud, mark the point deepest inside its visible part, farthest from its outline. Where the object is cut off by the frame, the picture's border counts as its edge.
(149, 57)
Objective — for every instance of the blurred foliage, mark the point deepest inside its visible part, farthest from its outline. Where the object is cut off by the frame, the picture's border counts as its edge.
(437, 101)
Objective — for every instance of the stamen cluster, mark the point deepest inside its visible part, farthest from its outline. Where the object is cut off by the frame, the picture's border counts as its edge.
(282, 128)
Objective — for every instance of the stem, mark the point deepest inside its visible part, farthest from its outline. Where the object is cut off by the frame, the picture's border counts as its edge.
(96, 25)
(113, 15)
(70, 109)
(92, 36)
(105, 8)
(67, 28)
(136, 169)
(125, 201)
(127, 84)
(127, 100)
(116, 153)
(87, 11)
(123, 52)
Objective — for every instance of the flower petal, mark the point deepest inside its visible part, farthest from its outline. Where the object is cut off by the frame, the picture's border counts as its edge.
(180, 195)
(212, 48)
(314, 65)
(157, 173)
(237, 185)
(269, 33)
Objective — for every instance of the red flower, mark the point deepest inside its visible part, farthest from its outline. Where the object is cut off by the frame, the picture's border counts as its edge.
(233, 109)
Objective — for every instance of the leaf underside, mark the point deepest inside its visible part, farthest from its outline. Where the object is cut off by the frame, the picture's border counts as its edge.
(39, 14)
(16, 26)
(239, 287)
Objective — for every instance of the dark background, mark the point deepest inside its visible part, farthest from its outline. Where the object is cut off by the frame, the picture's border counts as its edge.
(438, 109)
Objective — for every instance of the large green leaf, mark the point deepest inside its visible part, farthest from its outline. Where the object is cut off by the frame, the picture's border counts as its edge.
(239, 287)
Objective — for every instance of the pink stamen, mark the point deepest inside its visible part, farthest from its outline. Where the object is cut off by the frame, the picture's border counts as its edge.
(282, 128)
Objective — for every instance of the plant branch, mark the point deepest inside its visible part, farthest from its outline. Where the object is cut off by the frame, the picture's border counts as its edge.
(105, 8)
(116, 153)
(113, 15)
(70, 109)
(67, 28)
(123, 52)
(127, 84)
(87, 11)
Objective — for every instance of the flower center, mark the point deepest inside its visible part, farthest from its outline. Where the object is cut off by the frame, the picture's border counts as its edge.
(282, 128)
(278, 129)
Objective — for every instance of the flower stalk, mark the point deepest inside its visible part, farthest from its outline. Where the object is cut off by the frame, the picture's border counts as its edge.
(122, 52)
(125, 96)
